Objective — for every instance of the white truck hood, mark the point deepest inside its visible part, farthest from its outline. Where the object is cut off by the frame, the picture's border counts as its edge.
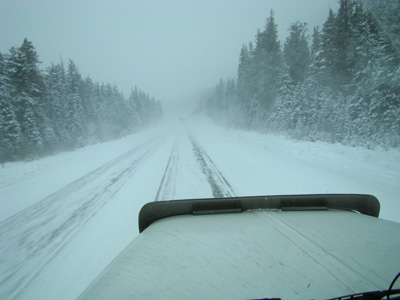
(258, 253)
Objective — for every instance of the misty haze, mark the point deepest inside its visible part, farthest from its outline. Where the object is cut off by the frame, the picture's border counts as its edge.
(106, 107)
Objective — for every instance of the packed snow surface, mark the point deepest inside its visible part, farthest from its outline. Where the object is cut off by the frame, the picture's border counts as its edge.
(64, 218)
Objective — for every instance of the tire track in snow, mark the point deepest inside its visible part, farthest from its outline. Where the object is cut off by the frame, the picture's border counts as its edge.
(167, 186)
(219, 185)
(33, 237)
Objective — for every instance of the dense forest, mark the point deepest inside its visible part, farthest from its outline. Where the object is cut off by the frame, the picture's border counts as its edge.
(342, 84)
(51, 110)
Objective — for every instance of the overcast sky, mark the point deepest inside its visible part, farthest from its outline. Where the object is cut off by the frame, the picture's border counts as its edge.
(166, 48)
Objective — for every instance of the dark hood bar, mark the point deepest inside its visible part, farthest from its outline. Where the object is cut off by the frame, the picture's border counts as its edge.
(153, 211)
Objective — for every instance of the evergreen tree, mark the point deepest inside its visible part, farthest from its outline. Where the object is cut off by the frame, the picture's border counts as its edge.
(10, 132)
(24, 72)
(296, 52)
(92, 120)
(27, 92)
(346, 89)
(41, 113)
(55, 80)
(268, 63)
(280, 118)
(314, 93)
(32, 141)
(135, 107)
(74, 107)
(387, 15)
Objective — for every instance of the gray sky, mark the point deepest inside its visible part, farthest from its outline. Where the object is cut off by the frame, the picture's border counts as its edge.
(166, 48)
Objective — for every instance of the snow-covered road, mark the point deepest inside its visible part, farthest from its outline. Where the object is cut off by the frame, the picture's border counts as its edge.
(65, 217)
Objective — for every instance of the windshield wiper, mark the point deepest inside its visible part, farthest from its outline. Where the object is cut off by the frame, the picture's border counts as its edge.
(374, 295)
(391, 294)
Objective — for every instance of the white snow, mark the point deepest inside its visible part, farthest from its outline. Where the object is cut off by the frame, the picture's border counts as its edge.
(64, 218)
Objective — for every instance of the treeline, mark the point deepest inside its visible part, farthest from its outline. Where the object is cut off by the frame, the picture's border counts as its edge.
(344, 87)
(42, 112)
